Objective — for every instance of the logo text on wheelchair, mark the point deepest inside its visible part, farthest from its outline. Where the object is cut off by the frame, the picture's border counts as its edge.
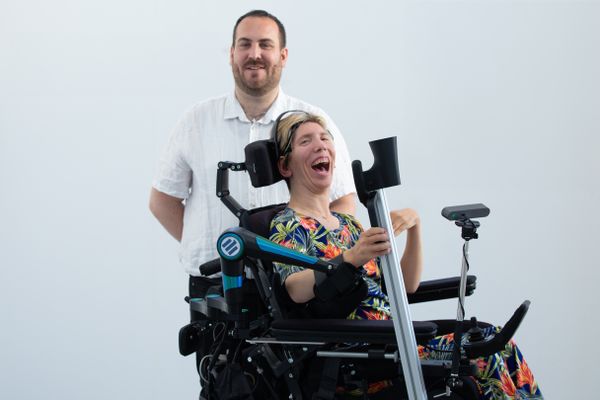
(230, 246)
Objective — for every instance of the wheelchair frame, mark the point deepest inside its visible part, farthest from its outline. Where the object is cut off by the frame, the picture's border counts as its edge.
(239, 248)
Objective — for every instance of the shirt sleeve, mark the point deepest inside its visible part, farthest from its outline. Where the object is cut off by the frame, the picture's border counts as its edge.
(174, 174)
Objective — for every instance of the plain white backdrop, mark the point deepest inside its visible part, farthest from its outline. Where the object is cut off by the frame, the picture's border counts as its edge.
(495, 102)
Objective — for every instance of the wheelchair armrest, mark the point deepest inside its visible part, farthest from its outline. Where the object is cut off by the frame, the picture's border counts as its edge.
(440, 289)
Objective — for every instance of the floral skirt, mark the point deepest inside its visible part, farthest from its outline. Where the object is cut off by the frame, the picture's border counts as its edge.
(503, 375)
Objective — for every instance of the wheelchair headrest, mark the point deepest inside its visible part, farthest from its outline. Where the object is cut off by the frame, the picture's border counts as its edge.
(261, 163)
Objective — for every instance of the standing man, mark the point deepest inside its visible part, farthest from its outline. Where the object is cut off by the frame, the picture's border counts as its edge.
(183, 193)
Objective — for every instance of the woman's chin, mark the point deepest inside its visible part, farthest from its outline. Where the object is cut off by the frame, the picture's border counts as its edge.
(322, 184)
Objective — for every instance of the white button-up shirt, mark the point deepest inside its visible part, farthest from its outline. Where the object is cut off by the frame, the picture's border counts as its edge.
(218, 130)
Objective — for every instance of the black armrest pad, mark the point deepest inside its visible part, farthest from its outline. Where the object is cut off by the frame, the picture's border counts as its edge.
(344, 330)
(440, 289)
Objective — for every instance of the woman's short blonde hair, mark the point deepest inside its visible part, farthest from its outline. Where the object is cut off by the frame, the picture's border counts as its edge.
(287, 126)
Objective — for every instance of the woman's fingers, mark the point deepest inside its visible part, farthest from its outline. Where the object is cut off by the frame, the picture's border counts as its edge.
(401, 227)
(379, 246)
(375, 235)
(403, 220)
(373, 232)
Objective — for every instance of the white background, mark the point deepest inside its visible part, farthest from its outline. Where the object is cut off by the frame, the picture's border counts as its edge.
(492, 101)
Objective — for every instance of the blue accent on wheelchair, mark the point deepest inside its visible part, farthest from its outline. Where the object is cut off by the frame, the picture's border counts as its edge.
(273, 248)
(231, 282)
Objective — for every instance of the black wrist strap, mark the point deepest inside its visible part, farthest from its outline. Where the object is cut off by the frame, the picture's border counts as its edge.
(343, 279)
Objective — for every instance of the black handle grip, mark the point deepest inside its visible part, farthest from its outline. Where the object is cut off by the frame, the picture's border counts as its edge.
(210, 267)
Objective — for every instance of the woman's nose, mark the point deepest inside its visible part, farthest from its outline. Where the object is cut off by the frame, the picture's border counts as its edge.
(321, 146)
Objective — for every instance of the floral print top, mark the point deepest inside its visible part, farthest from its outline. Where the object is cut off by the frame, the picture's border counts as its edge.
(307, 235)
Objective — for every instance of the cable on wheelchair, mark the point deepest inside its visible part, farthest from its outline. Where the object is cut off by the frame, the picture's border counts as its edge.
(466, 261)
(203, 379)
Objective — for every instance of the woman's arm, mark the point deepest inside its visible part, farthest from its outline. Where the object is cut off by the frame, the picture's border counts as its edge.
(372, 243)
(412, 259)
(300, 282)
(299, 286)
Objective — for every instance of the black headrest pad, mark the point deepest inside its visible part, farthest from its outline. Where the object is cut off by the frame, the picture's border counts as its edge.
(261, 163)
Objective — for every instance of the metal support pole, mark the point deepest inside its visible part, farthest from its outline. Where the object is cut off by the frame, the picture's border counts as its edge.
(460, 315)
(403, 327)
(454, 381)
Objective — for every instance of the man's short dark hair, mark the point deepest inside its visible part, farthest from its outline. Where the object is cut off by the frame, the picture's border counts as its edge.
(263, 14)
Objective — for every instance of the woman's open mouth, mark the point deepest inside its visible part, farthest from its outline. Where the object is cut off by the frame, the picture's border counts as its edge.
(321, 165)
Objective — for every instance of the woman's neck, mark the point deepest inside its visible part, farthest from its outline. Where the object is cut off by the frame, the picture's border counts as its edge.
(315, 206)
(310, 204)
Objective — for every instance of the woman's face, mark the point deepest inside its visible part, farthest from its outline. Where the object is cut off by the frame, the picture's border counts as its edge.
(312, 159)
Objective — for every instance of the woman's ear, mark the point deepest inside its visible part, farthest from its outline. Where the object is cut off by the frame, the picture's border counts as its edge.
(284, 169)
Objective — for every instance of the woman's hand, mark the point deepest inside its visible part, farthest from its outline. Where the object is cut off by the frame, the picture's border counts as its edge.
(372, 243)
(403, 220)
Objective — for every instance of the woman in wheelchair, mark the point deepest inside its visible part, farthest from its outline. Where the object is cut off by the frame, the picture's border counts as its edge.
(306, 161)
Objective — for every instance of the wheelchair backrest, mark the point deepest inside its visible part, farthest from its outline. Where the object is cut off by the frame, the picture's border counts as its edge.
(258, 220)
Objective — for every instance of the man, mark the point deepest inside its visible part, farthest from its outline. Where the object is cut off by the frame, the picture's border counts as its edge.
(183, 194)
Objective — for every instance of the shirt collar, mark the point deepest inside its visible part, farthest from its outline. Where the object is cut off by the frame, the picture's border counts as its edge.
(279, 105)
(233, 109)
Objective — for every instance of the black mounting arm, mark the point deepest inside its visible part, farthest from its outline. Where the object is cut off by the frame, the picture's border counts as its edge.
(223, 186)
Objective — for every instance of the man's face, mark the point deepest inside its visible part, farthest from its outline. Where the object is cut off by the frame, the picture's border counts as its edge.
(256, 57)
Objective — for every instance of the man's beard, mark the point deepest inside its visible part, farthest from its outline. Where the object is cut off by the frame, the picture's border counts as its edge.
(273, 76)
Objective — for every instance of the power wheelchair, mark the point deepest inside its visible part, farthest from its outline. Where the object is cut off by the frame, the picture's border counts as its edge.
(253, 342)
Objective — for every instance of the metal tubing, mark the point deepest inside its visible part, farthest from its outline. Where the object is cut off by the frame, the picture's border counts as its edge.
(403, 327)
(275, 341)
(350, 354)
(460, 315)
